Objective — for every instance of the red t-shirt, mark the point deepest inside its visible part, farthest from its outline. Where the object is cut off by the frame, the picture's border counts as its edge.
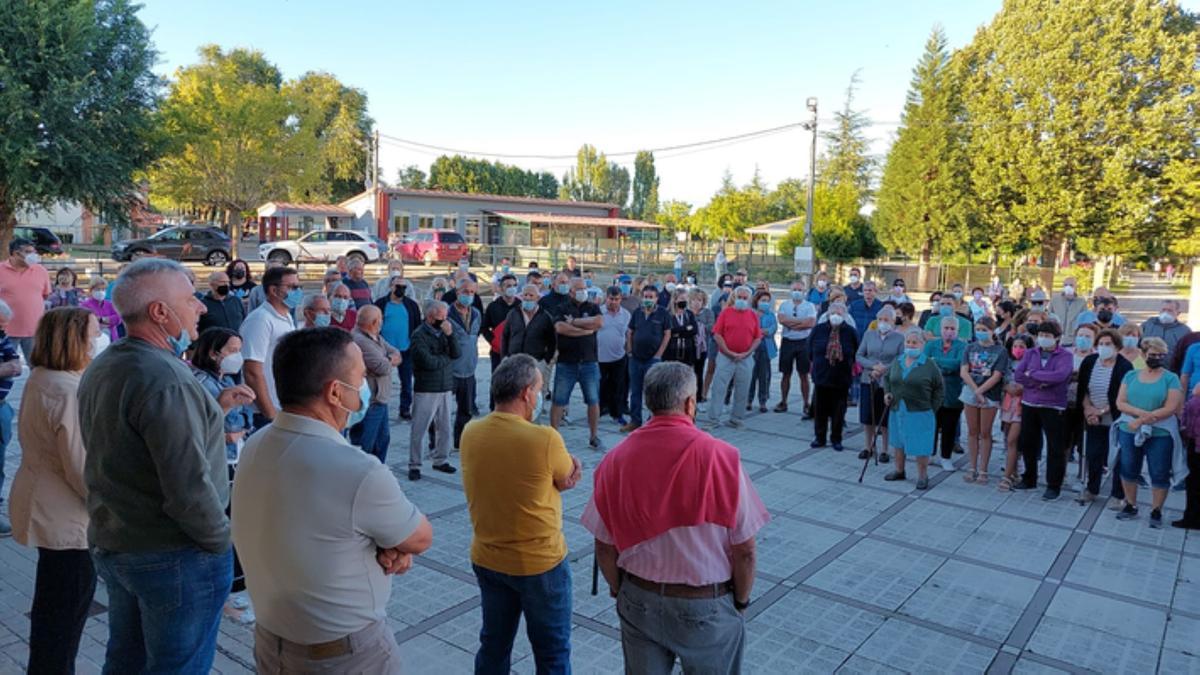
(739, 328)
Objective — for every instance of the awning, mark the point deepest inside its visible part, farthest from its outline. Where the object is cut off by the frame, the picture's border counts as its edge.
(778, 228)
(317, 210)
(586, 221)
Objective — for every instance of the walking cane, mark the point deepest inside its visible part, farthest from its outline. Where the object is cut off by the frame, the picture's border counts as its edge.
(595, 574)
(874, 435)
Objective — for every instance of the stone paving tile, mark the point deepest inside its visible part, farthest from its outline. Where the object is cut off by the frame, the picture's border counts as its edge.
(1124, 568)
(423, 592)
(1063, 511)
(917, 649)
(782, 653)
(591, 652)
(955, 491)
(1027, 666)
(1183, 635)
(1191, 544)
(1138, 531)
(843, 505)
(812, 617)
(1099, 633)
(938, 526)
(463, 632)
(858, 665)
(972, 599)
(1187, 588)
(875, 572)
(427, 654)
(1015, 544)
(785, 547)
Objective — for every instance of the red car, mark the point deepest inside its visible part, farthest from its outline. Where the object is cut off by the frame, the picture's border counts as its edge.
(430, 246)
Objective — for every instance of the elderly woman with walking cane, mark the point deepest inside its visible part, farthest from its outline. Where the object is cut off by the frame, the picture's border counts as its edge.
(913, 390)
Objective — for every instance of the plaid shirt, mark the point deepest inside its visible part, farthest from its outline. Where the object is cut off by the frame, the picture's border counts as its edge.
(8, 352)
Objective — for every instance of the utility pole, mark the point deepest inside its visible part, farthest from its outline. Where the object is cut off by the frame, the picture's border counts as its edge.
(370, 147)
(375, 159)
(812, 171)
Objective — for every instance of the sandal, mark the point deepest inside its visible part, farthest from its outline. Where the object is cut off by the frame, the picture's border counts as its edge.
(969, 476)
(982, 478)
(1006, 484)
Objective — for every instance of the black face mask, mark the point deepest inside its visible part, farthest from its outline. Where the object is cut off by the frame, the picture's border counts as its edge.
(238, 274)
(436, 323)
(1105, 315)
(899, 321)
(223, 290)
(400, 291)
(681, 305)
(1156, 361)
(1031, 328)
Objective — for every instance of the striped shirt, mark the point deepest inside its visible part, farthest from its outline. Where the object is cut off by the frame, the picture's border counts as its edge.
(8, 352)
(1098, 386)
(696, 555)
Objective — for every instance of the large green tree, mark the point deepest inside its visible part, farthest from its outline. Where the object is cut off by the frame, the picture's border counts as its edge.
(77, 98)
(921, 207)
(464, 174)
(846, 160)
(675, 216)
(1083, 121)
(644, 205)
(595, 179)
(332, 126)
(733, 209)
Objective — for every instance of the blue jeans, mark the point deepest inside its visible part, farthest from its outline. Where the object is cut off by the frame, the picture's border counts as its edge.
(6, 426)
(637, 375)
(404, 370)
(164, 609)
(1157, 453)
(373, 434)
(545, 599)
(586, 374)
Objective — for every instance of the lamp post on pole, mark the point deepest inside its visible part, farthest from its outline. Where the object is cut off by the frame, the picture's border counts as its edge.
(811, 103)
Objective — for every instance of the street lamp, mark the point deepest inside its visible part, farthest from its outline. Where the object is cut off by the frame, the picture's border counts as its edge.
(811, 104)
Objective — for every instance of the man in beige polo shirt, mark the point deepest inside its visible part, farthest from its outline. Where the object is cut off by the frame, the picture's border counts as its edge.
(318, 524)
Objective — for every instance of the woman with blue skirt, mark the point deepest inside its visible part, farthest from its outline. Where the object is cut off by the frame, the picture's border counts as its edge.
(913, 391)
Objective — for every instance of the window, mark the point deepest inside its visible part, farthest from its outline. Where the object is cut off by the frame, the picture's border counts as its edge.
(315, 238)
(450, 221)
(451, 238)
(425, 223)
(400, 223)
(473, 231)
(168, 235)
(424, 237)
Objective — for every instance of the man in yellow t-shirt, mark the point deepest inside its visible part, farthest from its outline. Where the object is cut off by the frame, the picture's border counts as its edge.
(513, 472)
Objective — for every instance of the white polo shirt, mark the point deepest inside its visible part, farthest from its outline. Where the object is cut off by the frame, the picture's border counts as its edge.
(309, 510)
(796, 310)
(261, 331)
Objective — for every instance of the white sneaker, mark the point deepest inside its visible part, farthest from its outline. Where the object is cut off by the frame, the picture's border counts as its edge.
(239, 601)
(947, 465)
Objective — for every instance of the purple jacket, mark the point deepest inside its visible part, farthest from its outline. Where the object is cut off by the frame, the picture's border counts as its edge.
(1045, 385)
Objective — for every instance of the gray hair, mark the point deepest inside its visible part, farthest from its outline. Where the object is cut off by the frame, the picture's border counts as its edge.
(838, 305)
(354, 264)
(310, 300)
(886, 311)
(5, 310)
(914, 331)
(668, 385)
(140, 284)
(515, 374)
(431, 305)
(333, 288)
(748, 291)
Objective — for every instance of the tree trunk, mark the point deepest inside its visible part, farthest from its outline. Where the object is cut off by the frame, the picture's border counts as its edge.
(1100, 271)
(8, 220)
(923, 268)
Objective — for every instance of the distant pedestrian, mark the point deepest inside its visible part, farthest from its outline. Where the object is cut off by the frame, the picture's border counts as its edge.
(766, 352)
(614, 362)
(576, 324)
(10, 369)
(66, 291)
(317, 312)
(241, 281)
(530, 330)
(221, 308)
(262, 330)
(467, 320)
(97, 302)
(1045, 373)
(831, 349)
(24, 286)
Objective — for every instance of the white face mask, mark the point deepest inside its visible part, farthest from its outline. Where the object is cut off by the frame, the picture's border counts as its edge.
(854, 278)
(99, 344)
(99, 296)
(1106, 352)
(836, 319)
(1046, 342)
(884, 326)
(1166, 317)
(32, 258)
(1069, 291)
(232, 364)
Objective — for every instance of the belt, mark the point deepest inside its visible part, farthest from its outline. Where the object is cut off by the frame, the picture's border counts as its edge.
(314, 652)
(679, 590)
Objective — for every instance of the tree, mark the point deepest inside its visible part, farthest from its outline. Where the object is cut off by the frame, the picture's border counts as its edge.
(675, 216)
(595, 179)
(733, 209)
(77, 100)
(464, 174)
(645, 188)
(845, 160)
(411, 177)
(921, 206)
(840, 231)
(331, 123)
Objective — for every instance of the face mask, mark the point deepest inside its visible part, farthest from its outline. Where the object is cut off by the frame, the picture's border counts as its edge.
(563, 289)
(99, 296)
(294, 298)
(223, 290)
(983, 335)
(537, 408)
(1083, 342)
(897, 291)
(340, 305)
(1069, 291)
(436, 324)
(691, 281)
(32, 258)
(945, 310)
(1104, 315)
(364, 402)
(681, 304)
(899, 321)
(912, 352)
(504, 269)
(764, 305)
(1129, 342)
(232, 364)
(581, 296)
(1106, 352)
(885, 327)
(465, 299)
(797, 296)
(98, 344)
(649, 302)
(587, 283)
(671, 286)
(400, 291)
(1031, 327)
(1166, 317)
(1046, 343)
(239, 274)
(626, 289)
(1018, 351)
(957, 294)
(741, 304)
(854, 278)
(528, 305)
(439, 289)
(322, 320)
(821, 284)
(1155, 361)
(180, 344)
(510, 292)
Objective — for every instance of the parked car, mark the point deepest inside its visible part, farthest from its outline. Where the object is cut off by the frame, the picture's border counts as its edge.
(44, 241)
(430, 246)
(208, 244)
(322, 246)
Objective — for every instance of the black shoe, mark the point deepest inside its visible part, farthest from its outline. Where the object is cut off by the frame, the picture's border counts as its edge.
(407, 417)
(414, 474)
(762, 408)
(445, 468)
(895, 475)
(865, 454)
(884, 458)
(1024, 486)
(807, 412)
(701, 399)
(817, 444)
(837, 447)
(958, 449)
(1050, 495)
(1156, 519)
(749, 407)
(1128, 513)
(782, 407)
(1185, 524)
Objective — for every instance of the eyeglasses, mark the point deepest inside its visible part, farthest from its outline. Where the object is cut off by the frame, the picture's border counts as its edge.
(292, 287)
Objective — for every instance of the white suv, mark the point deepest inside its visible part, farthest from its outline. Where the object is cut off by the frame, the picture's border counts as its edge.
(322, 246)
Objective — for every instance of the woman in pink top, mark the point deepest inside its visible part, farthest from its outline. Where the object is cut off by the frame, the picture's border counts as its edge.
(98, 304)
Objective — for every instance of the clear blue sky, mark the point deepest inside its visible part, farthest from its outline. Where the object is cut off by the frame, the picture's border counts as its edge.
(546, 77)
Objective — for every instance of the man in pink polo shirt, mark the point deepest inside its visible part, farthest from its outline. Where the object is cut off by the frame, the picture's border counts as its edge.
(672, 551)
(24, 285)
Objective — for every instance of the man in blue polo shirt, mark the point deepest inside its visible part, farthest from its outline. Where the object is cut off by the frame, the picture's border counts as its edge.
(401, 316)
(647, 338)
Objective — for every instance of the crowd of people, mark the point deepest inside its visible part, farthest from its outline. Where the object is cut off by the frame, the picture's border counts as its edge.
(267, 496)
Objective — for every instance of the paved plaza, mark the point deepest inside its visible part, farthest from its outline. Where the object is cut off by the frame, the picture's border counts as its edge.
(873, 577)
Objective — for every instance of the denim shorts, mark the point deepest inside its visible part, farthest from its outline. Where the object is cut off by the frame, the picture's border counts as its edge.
(587, 374)
(1156, 452)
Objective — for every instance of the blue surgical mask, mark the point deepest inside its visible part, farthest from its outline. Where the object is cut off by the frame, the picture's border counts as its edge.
(528, 305)
(741, 304)
(1083, 342)
(364, 402)
(322, 320)
(180, 344)
(945, 310)
(1129, 342)
(797, 296)
(587, 282)
(912, 352)
(465, 299)
(510, 292)
(626, 289)
(581, 295)
(983, 335)
(537, 409)
(340, 305)
(504, 269)
(294, 298)
(764, 305)
(563, 289)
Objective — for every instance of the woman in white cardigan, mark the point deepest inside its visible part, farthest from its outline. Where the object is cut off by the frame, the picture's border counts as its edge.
(48, 503)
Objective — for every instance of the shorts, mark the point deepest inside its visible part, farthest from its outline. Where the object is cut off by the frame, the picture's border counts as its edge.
(877, 414)
(1010, 409)
(587, 374)
(967, 397)
(794, 353)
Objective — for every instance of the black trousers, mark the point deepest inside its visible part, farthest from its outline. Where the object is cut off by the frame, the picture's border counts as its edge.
(829, 412)
(701, 361)
(1096, 452)
(62, 595)
(239, 576)
(1073, 434)
(496, 359)
(614, 387)
(1191, 513)
(464, 398)
(1036, 424)
(947, 424)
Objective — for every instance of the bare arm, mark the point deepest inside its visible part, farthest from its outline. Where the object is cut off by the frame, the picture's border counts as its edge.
(663, 347)
(255, 379)
(419, 541)
(606, 558)
(744, 559)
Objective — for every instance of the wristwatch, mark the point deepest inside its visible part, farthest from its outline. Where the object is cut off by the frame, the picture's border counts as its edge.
(740, 606)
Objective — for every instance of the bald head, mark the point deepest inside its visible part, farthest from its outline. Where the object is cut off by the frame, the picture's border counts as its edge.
(369, 318)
